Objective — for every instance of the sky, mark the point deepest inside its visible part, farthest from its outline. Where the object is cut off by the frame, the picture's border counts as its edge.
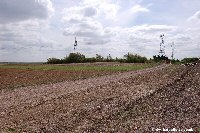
(35, 30)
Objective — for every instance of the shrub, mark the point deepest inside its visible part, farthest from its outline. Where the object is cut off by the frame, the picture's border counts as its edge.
(90, 60)
(75, 58)
(80, 58)
(109, 59)
(175, 61)
(189, 60)
(99, 58)
(53, 61)
(135, 58)
(158, 58)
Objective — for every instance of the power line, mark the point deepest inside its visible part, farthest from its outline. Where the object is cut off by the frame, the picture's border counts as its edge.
(75, 44)
(162, 46)
(172, 56)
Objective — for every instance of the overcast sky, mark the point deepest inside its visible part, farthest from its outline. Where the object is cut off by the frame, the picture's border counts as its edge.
(34, 30)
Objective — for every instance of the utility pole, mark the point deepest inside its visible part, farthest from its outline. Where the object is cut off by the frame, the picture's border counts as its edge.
(75, 44)
(162, 46)
(172, 56)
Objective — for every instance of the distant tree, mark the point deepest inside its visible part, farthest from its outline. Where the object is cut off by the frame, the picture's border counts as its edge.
(99, 58)
(91, 60)
(109, 58)
(175, 61)
(158, 58)
(75, 58)
(135, 58)
(53, 61)
(80, 58)
(190, 60)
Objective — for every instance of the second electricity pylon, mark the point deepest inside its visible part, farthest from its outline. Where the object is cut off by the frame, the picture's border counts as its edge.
(172, 56)
(75, 44)
(162, 46)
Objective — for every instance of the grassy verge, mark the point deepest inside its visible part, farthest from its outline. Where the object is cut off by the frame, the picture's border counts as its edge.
(80, 68)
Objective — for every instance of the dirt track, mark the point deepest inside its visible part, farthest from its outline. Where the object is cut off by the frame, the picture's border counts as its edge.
(162, 97)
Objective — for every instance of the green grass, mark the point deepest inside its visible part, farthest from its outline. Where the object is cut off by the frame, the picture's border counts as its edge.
(79, 68)
(10, 129)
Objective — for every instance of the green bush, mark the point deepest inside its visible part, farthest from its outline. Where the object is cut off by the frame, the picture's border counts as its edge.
(134, 58)
(189, 60)
(99, 58)
(158, 58)
(109, 59)
(90, 60)
(175, 61)
(53, 61)
(75, 58)
(80, 58)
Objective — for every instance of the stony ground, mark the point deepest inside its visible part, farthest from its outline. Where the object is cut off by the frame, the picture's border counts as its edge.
(166, 96)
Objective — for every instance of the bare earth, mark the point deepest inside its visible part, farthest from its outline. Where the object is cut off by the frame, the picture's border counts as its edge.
(11, 78)
(15, 78)
(161, 97)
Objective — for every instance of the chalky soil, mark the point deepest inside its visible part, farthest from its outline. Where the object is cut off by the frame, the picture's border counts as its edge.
(165, 96)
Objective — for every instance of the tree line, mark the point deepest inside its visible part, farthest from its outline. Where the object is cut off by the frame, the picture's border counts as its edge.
(80, 58)
(128, 58)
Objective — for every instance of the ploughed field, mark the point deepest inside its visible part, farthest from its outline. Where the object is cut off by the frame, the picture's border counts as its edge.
(21, 75)
(123, 99)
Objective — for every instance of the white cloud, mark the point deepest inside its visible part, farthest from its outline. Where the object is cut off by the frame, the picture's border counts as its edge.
(102, 26)
(103, 9)
(127, 16)
(94, 32)
(90, 12)
(90, 30)
(15, 11)
(21, 24)
(138, 8)
(155, 28)
(195, 17)
(23, 34)
(109, 10)
(84, 21)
